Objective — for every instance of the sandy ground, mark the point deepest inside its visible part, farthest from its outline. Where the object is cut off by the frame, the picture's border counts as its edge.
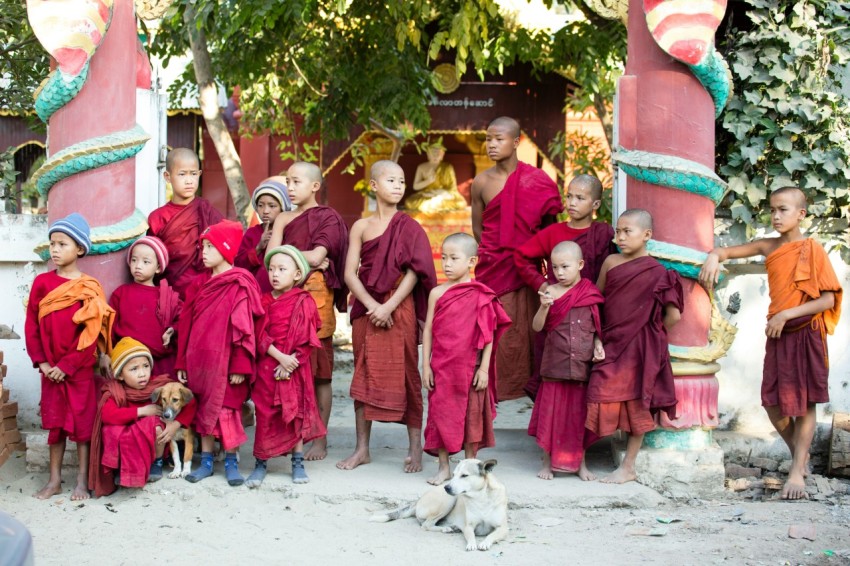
(564, 521)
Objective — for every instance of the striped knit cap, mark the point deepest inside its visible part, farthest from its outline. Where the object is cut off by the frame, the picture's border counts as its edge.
(76, 228)
(125, 350)
(156, 245)
(275, 188)
(296, 255)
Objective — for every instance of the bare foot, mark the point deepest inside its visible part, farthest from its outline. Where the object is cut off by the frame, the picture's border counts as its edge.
(81, 492)
(356, 459)
(413, 462)
(584, 474)
(795, 486)
(620, 475)
(318, 450)
(49, 490)
(546, 472)
(442, 475)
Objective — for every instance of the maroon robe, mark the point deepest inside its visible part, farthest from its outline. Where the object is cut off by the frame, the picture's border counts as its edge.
(180, 228)
(637, 362)
(247, 257)
(67, 408)
(286, 409)
(466, 318)
(216, 339)
(144, 313)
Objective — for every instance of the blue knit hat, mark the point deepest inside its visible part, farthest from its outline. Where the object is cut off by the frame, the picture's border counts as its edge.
(76, 227)
(275, 188)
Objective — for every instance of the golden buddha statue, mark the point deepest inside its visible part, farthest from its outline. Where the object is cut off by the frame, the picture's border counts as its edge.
(435, 185)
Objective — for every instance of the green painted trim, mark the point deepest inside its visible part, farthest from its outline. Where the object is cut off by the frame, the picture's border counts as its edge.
(688, 439)
(687, 262)
(110, 238)
(671, 171)
(714, 74)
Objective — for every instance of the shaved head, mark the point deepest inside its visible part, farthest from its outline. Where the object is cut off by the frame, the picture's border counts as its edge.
(384, 167)
(640, 216)
(568, 248)
(309, 170)
(797, 196)
(590, 183)
(465, 242)
(182, 154)
(506, 123)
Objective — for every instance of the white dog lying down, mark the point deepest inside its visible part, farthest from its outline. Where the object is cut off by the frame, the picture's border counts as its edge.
(473, 502)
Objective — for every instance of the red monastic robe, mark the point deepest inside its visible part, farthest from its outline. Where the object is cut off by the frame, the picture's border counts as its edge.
(216, 338)
(286, 409)
(121, 440)
(637, 363)
(144, 313)
(66, 338)
(180, 227)
(386, 361)
(466, 318)
(247, 257)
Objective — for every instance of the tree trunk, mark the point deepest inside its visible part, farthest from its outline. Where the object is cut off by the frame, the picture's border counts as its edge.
(605, 118)
(208, 101)
(395, 136)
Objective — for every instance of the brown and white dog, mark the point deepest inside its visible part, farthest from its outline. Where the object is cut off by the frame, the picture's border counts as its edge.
(172, 398)
(473, 502)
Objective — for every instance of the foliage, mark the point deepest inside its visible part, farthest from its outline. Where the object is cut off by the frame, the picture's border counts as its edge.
(8, 177)
(23, 62)
(585, 155)
(788, 122)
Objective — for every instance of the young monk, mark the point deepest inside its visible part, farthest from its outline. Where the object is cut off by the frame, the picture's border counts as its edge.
(569, 313)
(390, 271)
(320, 233)
(180, 222)
(269, 200)
(67, 315)
(511, 201)
(642, 302)
(129, 438)
(282, 388)
(145, 311)
(805, 303)
(596, 240)
(464, 323)
(216, 347)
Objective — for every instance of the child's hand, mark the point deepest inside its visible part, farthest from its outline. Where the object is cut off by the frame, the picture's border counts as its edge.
(598, 350)
(326, 263)
(167, 434)
(44, 368)
(105, 365)
(236, 378)
(149, 411)
(264, 239)
(481, 378)
(289, 363)
(546, 299)
(181, 376)
(709, 274)
(281, 373)
(381, 316)
(775, 324)
(166, 336)
(427, 378)
(55, 374)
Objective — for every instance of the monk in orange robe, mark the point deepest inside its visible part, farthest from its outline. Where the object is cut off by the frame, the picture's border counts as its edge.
(511, 201)
(805, 303)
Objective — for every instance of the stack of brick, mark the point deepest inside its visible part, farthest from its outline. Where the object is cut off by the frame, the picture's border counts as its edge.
(10, 436)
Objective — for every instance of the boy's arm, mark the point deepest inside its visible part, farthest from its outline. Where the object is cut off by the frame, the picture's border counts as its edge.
(709, 274)
(525, 260)
(35, 348)
(540, 316)
(777, 322)
(352, 264)
(427, 341)
(672, 315)
(112, 414)
(477, 208)
(316, 256)
(382, 315)
(603, 272)
(279, 225)
(247, 256)
(482, 373)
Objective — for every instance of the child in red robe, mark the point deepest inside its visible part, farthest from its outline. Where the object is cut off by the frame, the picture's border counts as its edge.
(145, 311)
(464, 323)
(216, 347)
(805, 303)
(569, 313)
(321, 234)
(390, 271)
(642, 302)
(269, 200)
(282, 388)
(129, 438)
(511, 201)
(180, 222)
(596, 240)
(67, 315)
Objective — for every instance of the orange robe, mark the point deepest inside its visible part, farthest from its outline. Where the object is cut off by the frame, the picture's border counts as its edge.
(796, 365)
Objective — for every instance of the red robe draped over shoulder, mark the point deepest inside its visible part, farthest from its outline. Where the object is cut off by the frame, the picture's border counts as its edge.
(509, 220)
(180, 227)
(637, 362)
(286, 409)
(145, 312)
(466, 318)
(247, 257)
(216, 338)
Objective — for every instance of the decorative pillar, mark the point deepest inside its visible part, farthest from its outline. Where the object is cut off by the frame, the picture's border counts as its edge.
(89, 104)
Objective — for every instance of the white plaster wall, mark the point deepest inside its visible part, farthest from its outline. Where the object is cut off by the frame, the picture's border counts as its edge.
(19, 265)
(740, 378)
(150, 161)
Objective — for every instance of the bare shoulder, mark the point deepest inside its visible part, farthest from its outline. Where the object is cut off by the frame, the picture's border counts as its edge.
(613, 260)
(438, 292)
(358, 228)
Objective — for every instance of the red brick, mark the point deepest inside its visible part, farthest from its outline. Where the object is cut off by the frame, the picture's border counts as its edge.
(5, 452)
(9, 410)
(11, 437)
(18, 446)
(4, 395)
(10, 423)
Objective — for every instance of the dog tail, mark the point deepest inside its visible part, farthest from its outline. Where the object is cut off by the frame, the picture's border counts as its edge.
(400, 513)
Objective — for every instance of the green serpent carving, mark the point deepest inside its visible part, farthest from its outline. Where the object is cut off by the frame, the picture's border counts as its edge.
(57, 90)
(714, 74)
(671, 171)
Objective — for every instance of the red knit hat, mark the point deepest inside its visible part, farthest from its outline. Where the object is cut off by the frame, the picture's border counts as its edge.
(226, 237)
(156, 245)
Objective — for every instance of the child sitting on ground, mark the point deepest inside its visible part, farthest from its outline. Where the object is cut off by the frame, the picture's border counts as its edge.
(282, 389)
(145, 311)
(462, 329)
(569, 313)
(805, 303)
(129, 438)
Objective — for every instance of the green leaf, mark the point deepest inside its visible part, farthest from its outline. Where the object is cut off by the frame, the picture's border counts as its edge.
(783, 143)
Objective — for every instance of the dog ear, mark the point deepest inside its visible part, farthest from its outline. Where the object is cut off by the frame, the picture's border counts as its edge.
(186, 394)
(157, 393)
(487, 466)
